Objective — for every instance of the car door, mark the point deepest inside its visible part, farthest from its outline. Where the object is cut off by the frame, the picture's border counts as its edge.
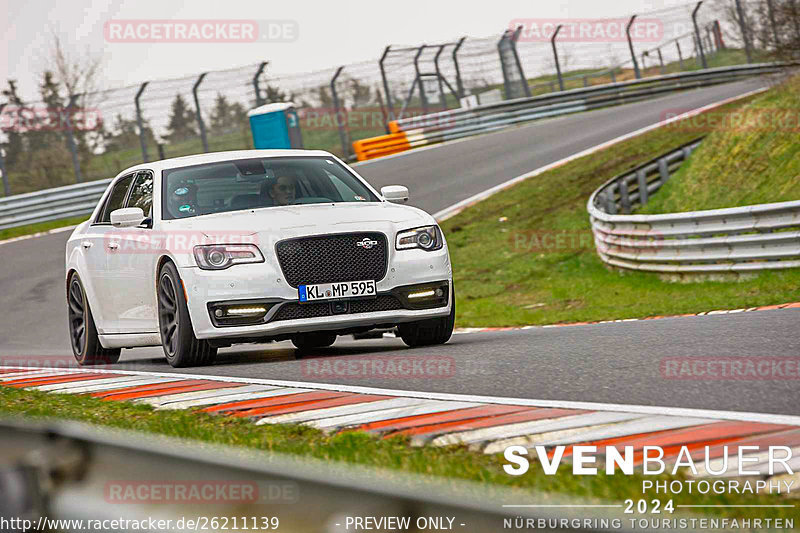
(96, 248)
(132, 256)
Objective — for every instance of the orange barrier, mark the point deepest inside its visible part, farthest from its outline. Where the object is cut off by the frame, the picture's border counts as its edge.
(380, 146)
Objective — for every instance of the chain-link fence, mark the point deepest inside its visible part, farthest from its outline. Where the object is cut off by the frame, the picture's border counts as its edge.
(58, 141)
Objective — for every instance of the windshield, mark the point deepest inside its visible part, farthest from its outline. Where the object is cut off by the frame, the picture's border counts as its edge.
(255, 183)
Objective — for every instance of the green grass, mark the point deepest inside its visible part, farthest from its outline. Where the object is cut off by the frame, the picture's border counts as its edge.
(741, 165)
(394, 454)
(30, 229)
(502, 280)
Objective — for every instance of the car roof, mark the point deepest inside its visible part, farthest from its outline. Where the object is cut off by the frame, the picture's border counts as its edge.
(215, 157)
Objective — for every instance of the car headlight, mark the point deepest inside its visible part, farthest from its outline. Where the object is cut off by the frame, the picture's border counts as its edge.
(428, 238)
(222, 256)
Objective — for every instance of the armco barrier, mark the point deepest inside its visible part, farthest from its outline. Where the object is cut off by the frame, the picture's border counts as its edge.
(449, 125)
(738, 239)
(51, 204)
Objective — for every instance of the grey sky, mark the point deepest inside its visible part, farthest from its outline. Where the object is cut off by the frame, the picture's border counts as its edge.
(330, 32)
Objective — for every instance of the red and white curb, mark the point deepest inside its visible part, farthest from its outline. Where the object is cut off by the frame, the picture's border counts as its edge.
(792, 305)
(484, 423)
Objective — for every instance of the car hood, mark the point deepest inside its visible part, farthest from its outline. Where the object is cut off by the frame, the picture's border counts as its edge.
(276, 223)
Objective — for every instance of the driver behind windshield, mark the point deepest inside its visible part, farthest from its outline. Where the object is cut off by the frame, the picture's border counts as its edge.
(283, 189)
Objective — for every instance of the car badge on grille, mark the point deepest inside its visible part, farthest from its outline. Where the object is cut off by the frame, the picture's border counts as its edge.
(366, 243)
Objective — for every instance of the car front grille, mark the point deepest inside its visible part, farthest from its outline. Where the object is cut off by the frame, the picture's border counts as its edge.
(333, 258)
(295, 311)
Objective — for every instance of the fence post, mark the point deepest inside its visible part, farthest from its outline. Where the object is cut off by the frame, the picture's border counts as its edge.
(523, 79)
(256, 82)
(630, 46)
(503, 68)
(439, 76)
(680, 55)
(644, 65)
(200, 122)
(73, 149)
(772, 21)
(743, 27)
(555, 57)
(697, 34)
(6, 186)
(386, 91)
(140, 122)
(795, 18)
(459, 81)
(709, 41)
(422, 97)
(661, 62)
(337, 107)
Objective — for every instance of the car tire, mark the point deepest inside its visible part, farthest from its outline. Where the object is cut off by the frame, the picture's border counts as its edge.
(431, 331)
(84, 339)
(310, 341)
(180, 346)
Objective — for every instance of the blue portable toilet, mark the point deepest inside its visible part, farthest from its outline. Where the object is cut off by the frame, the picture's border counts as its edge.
(275, 126)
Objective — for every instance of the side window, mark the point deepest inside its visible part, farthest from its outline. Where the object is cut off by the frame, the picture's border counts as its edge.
(142, 192)
(116, 199)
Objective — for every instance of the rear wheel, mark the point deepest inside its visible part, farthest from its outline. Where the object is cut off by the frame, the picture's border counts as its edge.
(317, 339)
(83, 336)
(431, 331)
(180, 345)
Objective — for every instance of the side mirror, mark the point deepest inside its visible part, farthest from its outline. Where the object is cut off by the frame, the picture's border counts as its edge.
(395, 193)
(128, 217)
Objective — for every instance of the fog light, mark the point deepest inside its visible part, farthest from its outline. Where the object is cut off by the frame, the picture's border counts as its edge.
(439, 293)
(245, 311)
(218, 313)
(421, 294)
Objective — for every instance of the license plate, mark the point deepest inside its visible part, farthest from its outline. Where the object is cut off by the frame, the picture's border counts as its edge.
(333, 291)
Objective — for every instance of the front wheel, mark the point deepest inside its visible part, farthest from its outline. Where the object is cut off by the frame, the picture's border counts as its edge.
(83, 335)
(431, 331)
(180, 345)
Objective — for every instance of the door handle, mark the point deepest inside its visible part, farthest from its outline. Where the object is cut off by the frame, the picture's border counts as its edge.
(86, 244)
(113, 245)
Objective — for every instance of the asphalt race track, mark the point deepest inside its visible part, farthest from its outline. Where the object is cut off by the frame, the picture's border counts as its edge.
(615, 363)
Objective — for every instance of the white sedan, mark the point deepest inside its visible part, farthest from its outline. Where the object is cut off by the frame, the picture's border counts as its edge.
(197, 253)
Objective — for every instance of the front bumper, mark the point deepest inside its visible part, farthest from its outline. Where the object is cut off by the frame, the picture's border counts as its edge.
(263, 284)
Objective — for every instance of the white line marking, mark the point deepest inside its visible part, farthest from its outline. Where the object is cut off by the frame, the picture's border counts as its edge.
(765, 418)
(139, 382)
(340, 411)
(123, 381)
(39, 234)
(456, 208)
(606, 431)
(164, 399)
(238, 397)
(429, 407)
(534, 427)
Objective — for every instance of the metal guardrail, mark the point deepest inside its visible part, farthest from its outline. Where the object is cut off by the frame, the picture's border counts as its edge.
(738, 239)
(51, 204)
(444, 126)
(72, 471)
